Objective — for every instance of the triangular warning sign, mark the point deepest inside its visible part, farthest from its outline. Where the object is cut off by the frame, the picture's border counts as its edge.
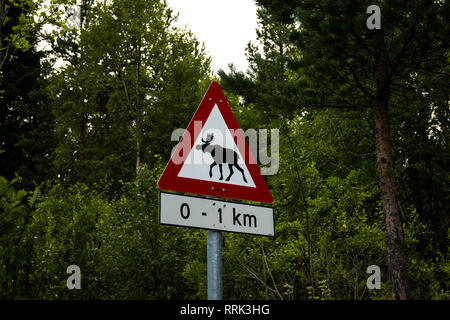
(213, 158)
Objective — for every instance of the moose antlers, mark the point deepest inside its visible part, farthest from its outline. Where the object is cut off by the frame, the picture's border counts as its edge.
(209, 138)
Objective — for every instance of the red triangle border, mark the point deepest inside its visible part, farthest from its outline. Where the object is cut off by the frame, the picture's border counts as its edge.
(170, 181)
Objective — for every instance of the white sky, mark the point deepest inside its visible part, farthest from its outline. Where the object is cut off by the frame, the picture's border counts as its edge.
(225, 27)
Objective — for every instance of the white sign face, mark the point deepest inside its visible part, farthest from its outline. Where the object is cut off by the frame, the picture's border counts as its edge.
(188, 211)
(198, 163)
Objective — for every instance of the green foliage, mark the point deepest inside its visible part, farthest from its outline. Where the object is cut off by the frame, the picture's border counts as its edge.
(139, 258)
(20, 20)
(134, 79)
(26, 123)
(14, 218)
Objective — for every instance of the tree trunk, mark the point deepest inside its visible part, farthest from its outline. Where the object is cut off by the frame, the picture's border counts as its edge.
(391, 209)
(138, 107)
(305, 205)
(82, 144)
(138, 156)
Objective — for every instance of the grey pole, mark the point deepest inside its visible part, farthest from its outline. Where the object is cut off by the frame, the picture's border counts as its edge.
(214, 258)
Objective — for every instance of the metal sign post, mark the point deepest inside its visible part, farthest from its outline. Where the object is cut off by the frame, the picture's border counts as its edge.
(214, 264)
(215, 215)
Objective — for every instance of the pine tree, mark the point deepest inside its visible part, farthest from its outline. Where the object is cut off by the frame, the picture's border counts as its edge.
(342, 64)
(26, 122)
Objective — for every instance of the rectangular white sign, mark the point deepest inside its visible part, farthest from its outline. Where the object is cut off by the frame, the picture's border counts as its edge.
(188, 211)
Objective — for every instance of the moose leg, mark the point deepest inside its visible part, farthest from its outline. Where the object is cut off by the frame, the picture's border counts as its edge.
(241, 170)
(231, 172)
(210, 169)
(221, 174)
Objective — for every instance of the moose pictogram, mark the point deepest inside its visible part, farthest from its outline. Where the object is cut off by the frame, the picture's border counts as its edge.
(221, 156)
